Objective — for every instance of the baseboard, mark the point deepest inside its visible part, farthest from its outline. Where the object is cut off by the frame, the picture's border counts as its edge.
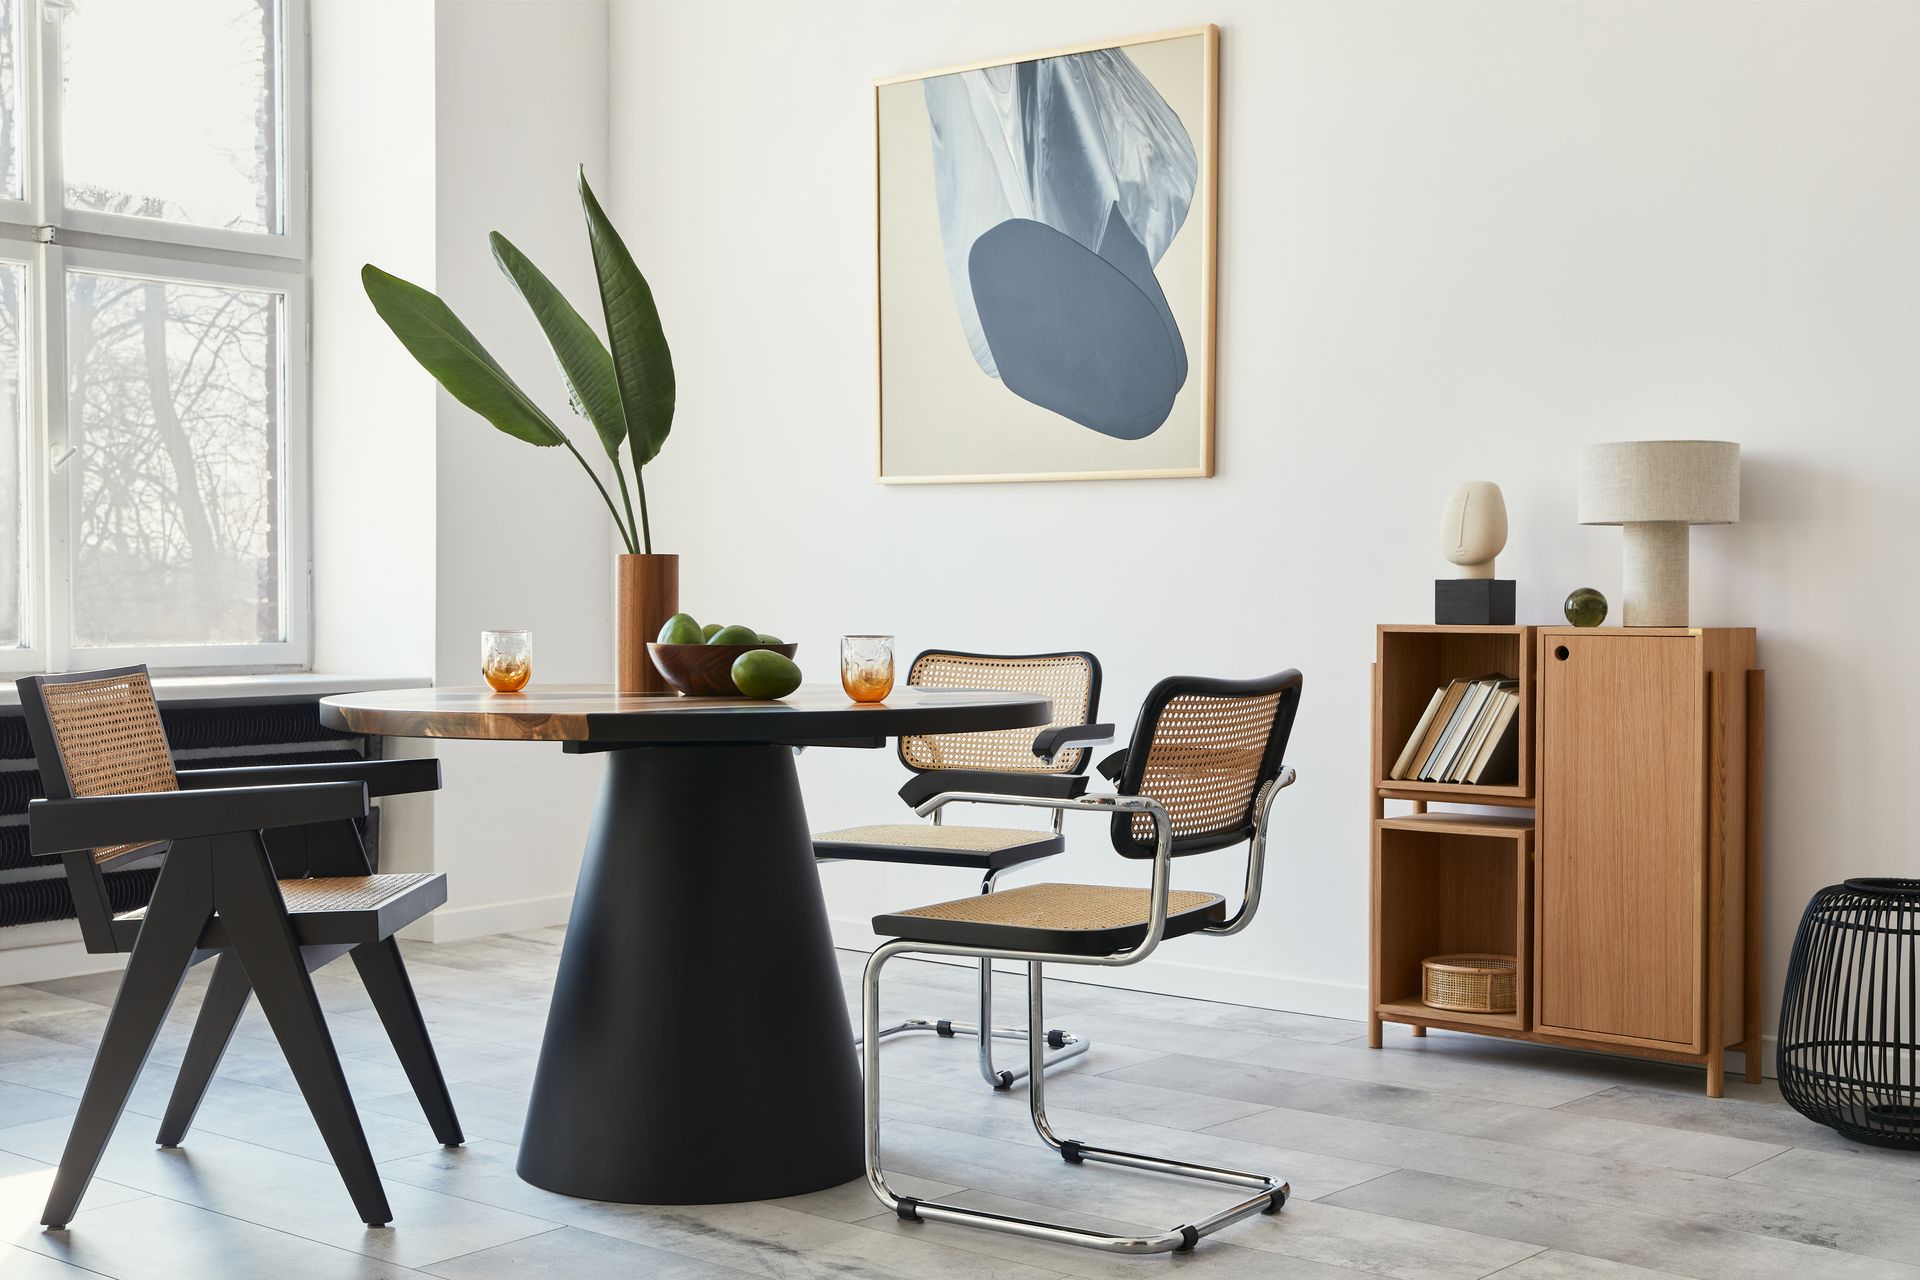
(452, 924)
(1178, 978)
(44, 952)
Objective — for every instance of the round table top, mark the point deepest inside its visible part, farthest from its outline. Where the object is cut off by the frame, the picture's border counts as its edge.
(812, 714)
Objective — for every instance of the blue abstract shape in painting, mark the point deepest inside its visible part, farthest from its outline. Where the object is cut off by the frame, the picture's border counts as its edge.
(1086, 335)
(1074, 144)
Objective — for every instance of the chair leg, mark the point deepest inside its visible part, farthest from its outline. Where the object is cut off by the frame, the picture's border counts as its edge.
(1066, 1043)
(1271, 1194)
(220, 1012)
(256, 921)
(385, 977)
(164, 951)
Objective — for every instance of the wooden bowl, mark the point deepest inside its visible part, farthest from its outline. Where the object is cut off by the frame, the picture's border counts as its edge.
(705, 670)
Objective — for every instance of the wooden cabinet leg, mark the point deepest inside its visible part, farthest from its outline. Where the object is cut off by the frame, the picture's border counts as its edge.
(1420, 1032)
(1373, 1032)
(1716, 1073)
(1752, 1050)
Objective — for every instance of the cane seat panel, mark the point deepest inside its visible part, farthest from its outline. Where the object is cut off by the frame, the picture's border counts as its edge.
(922, 844)
(335, 909)
(1075, 919)
(110, 740)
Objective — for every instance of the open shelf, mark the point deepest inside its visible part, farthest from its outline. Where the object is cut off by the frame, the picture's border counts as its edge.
(1414, 1012)
(1449, 883)
(1412, 661)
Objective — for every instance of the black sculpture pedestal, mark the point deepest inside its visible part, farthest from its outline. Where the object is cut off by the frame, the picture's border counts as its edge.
(1478, 602)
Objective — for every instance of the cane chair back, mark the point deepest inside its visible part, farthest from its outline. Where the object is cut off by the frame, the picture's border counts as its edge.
(99, 734)
(1206, 750)
(1070, 680)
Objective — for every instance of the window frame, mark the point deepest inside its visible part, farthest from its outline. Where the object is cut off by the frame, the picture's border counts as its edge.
(51, 239)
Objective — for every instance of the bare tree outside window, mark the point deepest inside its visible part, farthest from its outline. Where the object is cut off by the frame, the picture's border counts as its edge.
(203, 145)
(175, 528)
(14, 429)
(11, 148)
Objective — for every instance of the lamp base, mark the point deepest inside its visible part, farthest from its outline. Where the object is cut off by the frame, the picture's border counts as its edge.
(1654, 574)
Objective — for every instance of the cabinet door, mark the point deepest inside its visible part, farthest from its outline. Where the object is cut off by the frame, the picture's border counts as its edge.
(1622, 846)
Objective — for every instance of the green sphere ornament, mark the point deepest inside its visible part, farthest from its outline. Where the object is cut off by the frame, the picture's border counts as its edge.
(1586, 608)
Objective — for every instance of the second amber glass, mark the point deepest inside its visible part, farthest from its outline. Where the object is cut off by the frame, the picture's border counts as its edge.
(866, 667)
(506, 659)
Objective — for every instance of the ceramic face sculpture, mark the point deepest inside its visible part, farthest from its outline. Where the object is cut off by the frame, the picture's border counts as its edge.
(1474, 529)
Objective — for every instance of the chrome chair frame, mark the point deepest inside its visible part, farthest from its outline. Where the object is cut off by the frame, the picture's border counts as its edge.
(1270, 1194)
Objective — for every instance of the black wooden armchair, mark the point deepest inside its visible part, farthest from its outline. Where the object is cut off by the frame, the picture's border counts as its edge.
(264, 872)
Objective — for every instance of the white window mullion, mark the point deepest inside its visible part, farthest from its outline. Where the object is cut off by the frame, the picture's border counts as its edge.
(59, 462)
(41, 89)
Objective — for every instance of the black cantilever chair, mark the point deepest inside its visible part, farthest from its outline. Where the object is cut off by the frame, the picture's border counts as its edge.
(264, 871)
(1049, 762)
(1206, 762)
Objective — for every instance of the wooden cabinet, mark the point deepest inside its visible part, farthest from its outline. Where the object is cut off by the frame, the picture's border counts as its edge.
(1643, 870)
(1622, 839)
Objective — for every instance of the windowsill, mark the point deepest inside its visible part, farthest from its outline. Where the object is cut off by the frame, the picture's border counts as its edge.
(281, 686)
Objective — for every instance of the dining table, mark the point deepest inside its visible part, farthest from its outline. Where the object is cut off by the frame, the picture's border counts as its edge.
(698, 1047)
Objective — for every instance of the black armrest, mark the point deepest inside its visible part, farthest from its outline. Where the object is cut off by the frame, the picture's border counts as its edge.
(1049, 743)
(923, 787)
(1113, 766)
(383, 777)
(149, 817)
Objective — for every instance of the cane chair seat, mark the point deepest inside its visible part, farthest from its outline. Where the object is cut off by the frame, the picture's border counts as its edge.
(923, 845)
(337, 909)
(1075, 919)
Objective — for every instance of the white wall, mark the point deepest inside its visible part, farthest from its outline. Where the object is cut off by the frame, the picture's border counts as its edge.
(521, 99)
(435, 124)
(1457, 239)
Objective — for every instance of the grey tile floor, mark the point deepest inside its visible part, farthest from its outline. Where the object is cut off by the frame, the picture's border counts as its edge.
(1447, 1158)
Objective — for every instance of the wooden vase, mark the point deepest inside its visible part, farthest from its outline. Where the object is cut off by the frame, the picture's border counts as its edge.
(646, 594)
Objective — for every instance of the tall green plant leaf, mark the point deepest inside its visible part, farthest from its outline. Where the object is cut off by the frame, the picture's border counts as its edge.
(447, 349)
(583, 358)
(642, 364)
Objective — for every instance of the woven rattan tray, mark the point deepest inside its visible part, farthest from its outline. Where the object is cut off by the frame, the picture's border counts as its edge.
(1468, 983)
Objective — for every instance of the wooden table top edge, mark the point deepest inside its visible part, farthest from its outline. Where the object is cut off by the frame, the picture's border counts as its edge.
(595, 713)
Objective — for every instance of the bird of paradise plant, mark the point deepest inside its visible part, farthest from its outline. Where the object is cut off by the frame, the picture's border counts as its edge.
(624, 387)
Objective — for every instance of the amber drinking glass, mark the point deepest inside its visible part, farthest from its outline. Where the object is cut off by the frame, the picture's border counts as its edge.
(506, 659)
(866, 667)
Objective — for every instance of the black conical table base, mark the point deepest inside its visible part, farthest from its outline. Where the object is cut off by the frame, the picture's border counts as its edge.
(698, 1048)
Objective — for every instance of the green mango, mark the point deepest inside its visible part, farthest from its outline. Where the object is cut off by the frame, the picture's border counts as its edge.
(762, 673)
(767, 639)
(709, 631)
(734, 635)
(681, 629)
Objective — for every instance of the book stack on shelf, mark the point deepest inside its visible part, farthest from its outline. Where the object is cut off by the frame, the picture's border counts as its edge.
(1469, 734)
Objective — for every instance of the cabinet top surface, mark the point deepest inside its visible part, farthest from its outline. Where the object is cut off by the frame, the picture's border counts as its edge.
(1646, 632)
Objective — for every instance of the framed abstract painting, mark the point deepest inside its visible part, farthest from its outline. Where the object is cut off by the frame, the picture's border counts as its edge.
(1046, 264)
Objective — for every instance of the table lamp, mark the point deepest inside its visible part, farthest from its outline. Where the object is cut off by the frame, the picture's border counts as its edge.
(1656, 489)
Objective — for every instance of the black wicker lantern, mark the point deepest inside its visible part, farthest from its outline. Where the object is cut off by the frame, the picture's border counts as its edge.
(1850, 1022)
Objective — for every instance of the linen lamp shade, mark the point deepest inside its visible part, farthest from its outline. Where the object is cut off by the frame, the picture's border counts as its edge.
(1656, 489)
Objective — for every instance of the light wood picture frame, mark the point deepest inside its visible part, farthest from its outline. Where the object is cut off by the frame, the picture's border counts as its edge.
(1045, 232)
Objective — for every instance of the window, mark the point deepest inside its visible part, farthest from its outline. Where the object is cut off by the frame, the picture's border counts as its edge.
(153, 334)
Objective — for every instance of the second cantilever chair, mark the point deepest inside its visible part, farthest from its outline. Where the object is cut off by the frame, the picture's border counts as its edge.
(1205, 764)
(1049, 762)
(264, 870)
